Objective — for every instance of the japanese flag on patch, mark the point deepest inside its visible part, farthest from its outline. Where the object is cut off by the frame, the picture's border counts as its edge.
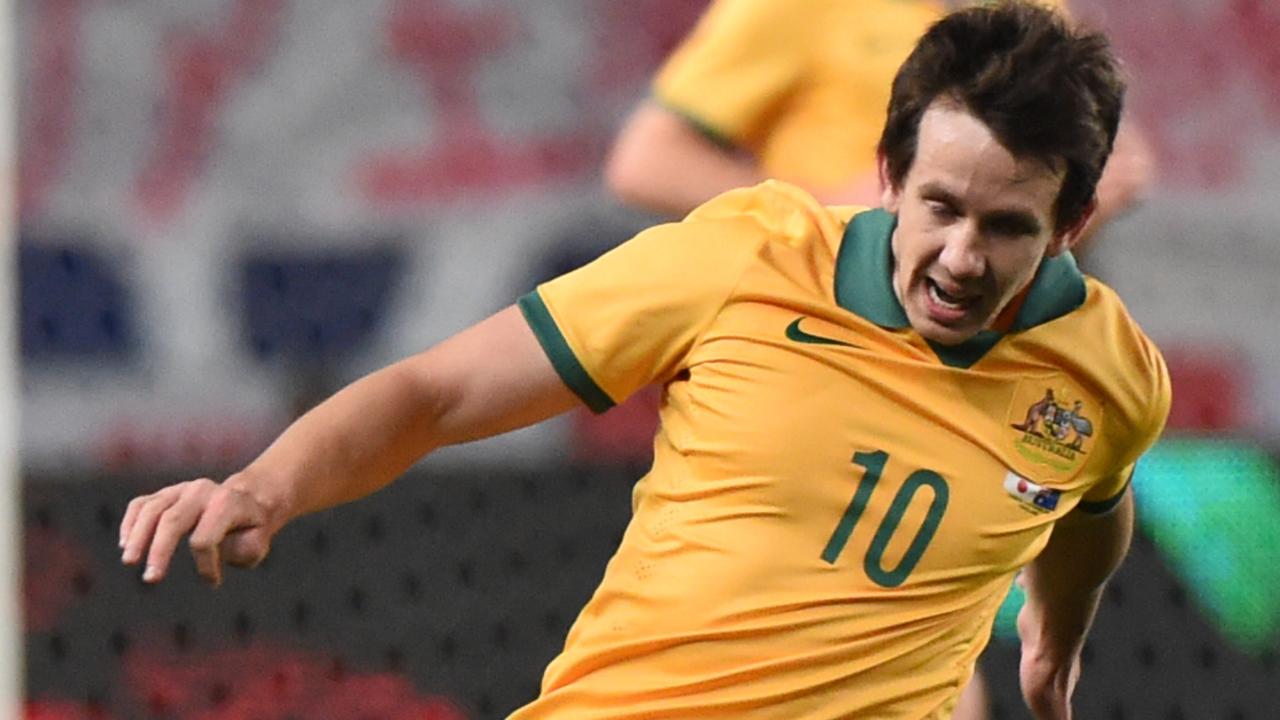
(1034, 497)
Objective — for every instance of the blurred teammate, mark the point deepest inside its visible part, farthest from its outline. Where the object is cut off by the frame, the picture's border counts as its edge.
(772, 89)
(839, 499)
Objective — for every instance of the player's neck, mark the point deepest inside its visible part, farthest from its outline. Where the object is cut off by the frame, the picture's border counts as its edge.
(1005, 319)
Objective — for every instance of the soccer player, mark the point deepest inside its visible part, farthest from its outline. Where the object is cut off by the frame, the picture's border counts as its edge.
(774, 89)
(838, 499)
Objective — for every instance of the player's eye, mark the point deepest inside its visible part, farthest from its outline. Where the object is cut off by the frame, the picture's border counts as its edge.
(1011, 227)
(941, 210)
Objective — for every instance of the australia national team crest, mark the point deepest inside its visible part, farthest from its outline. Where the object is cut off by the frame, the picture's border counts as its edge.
(1053, 427)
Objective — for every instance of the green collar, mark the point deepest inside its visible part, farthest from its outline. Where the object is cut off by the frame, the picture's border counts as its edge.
(864, 285)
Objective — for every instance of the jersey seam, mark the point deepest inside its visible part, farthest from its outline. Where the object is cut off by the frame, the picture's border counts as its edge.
(724, 302)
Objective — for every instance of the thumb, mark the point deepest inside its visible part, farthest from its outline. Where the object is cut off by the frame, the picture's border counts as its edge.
(246, 547)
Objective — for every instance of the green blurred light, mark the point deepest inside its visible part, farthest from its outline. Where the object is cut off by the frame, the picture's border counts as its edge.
(1006, 624)
(1212, 508)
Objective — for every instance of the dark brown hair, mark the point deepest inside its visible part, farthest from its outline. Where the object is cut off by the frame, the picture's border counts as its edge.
(1047, 90)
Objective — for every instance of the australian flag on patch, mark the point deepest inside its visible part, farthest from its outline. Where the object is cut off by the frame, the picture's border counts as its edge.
(1032, 496)
(1046, 498)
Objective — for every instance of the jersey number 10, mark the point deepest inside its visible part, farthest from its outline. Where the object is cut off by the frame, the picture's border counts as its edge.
(873, 563)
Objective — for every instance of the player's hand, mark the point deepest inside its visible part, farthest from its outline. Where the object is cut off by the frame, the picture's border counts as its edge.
(225, 524)
(1048, 675)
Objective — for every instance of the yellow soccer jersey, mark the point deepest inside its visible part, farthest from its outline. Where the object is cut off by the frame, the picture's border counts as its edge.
(836, 508)
(804, 86)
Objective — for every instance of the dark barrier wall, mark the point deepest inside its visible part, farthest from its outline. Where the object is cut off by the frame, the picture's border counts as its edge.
(444, 596)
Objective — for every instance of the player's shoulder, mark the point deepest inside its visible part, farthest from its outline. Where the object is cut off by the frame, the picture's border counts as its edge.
(1120, 356)
(1107, 313)
(734, 231)
(781, 15)
(774, 212)
(769, 26)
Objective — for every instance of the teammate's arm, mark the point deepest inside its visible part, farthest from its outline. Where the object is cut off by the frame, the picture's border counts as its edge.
(1064, 585)
(1127, 177)
(488, 379)
(661, 162)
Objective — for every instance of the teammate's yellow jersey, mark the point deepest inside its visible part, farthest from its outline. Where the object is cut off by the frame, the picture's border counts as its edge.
(835, 508)
(804, 86)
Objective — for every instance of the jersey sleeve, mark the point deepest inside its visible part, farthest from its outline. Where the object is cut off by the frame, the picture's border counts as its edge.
(1157, 393)
(632, 316)
(1108, 492)
(738, 67)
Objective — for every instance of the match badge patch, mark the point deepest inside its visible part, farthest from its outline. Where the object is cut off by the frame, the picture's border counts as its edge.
(1052, 427)
(1036, 498)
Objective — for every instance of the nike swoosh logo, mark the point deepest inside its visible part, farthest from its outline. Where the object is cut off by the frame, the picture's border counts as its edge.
(795, 333)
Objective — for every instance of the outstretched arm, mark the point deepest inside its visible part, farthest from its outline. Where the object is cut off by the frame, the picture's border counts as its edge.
(1064, 585)
(488, 379)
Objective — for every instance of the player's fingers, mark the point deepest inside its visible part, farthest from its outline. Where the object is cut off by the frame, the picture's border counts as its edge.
(176, 521)
(1047, 706)
(246, 548)
(143, 514)
(130, 517)
(1046, 692)
(208, 559)
(207, 535)
(228, 513)
(1037, 700)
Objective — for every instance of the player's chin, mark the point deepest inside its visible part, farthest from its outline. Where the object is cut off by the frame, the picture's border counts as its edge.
(949, 331)
(947, 334)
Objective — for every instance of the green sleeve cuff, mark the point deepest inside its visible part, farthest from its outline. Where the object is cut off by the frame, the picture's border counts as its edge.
(1098, 507)
(561, 355)
(714, 135)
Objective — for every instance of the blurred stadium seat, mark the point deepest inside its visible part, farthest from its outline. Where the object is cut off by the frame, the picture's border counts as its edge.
(74, 304)
(1211, 388)
(315, 307)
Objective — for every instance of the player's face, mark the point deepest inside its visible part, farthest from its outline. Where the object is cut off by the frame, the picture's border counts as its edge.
(974, 222)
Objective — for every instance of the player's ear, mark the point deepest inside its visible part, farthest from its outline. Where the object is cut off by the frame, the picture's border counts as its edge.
(889, 197)
(1069, 237)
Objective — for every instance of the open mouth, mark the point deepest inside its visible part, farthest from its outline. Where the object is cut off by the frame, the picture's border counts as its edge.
(948, 301)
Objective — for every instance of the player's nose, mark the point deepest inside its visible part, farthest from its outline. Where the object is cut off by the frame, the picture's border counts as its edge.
(962, 254)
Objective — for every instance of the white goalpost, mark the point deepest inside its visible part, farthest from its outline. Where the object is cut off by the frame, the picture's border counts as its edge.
(11, 633)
